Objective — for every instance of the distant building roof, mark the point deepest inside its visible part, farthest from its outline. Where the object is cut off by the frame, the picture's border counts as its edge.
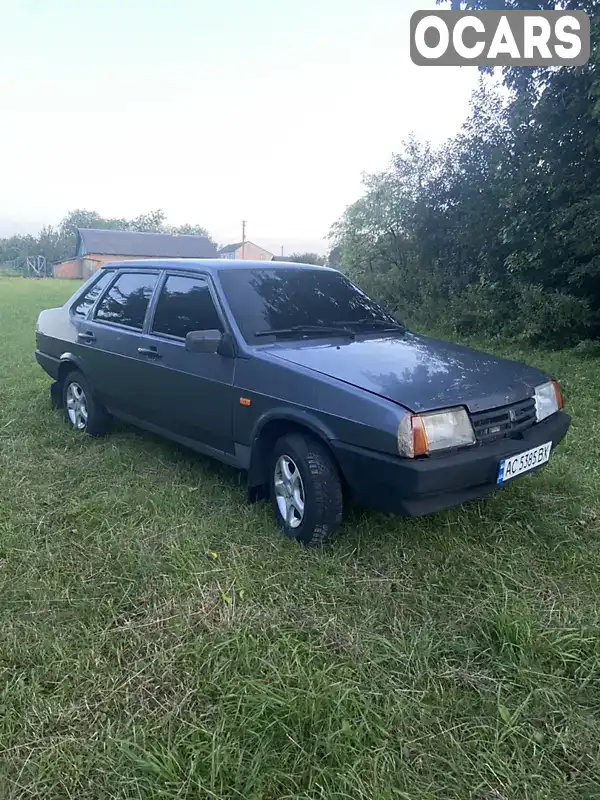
(143, 245)
(230, 248)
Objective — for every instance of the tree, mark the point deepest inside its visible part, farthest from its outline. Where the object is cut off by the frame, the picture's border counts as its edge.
(334, 257)
(308, 258)
(499, 229)
(190, 230)
(59, 243)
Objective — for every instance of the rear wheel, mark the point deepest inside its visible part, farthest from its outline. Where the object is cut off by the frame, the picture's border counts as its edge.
(306, 489)
(82, 411)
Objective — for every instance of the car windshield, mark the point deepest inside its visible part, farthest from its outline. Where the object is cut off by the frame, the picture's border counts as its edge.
(288, 301)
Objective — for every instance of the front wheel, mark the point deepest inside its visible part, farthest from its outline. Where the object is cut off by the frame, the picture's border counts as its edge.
(306, 490)
(82, 411)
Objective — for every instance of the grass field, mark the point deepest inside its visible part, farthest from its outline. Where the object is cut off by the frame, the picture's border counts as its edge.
(455, 656)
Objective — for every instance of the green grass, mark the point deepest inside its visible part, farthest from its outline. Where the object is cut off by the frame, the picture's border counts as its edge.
(454, 656)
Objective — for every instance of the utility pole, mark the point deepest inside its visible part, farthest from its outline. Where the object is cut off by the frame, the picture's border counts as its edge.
(243, 238)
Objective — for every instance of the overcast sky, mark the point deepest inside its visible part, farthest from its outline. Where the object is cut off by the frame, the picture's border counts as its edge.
(213, 110)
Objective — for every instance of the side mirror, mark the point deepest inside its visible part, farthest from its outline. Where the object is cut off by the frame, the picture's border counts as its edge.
(203, 341)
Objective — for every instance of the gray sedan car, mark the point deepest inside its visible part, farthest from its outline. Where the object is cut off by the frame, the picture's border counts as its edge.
(292, 373)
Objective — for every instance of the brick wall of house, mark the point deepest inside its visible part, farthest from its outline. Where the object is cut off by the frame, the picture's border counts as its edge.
(68, 269)
(86, 266)
(99, 260)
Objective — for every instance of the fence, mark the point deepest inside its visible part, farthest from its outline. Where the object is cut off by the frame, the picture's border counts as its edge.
(27, 267)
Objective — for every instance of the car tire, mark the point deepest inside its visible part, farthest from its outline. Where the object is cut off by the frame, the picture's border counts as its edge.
(306, 489)
(83, 412)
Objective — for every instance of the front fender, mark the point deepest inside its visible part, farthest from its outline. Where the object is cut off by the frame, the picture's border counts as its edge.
(267, 429)
(297, 415)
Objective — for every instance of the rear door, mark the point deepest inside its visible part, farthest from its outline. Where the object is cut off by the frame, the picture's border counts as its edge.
(109, 339)
(191, 394)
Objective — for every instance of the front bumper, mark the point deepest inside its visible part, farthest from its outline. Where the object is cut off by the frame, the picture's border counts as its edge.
(421, 486)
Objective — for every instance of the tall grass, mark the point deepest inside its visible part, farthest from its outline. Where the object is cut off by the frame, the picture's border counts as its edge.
(160, 639)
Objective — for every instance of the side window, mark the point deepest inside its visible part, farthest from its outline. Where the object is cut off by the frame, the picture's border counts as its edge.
(93, 293)
(127, 300)
(184, 305)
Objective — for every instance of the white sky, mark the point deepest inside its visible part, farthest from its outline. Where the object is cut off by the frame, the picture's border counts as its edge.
(213, 110)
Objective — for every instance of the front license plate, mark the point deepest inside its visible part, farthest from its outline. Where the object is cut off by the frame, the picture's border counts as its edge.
(523, 462)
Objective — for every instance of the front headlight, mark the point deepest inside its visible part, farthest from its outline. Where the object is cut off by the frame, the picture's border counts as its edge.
(548, 400)
(419, 434)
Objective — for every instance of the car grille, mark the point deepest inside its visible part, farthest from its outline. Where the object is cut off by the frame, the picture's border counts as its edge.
(505, 422)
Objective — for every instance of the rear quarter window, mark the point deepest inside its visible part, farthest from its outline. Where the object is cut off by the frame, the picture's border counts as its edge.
(83, 305)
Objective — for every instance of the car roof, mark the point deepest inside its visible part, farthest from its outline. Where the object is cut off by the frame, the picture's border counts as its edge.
(210, 265)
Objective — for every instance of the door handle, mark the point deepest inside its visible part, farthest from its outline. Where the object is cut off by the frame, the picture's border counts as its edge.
(86, 337)
(151, 352)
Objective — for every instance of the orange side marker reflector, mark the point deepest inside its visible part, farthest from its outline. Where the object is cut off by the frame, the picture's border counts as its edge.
(559, 397)
(420, 443)
(245, 401)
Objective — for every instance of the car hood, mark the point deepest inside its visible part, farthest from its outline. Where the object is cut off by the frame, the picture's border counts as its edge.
(419, 373)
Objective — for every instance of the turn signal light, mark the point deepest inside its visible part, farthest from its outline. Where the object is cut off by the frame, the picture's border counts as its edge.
(412, 437)
(559, 397)
(420, 443)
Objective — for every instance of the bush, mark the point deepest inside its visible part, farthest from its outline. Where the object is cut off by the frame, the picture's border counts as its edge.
(480, 308)
(555, 319)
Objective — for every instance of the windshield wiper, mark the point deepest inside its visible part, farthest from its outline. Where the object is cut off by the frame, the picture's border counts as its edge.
(308, 330)
(379, 324)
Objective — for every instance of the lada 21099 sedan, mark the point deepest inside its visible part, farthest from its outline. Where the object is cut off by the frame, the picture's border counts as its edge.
(292, 373)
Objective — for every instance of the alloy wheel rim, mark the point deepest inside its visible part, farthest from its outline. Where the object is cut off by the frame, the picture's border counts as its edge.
(289, 491)
(77, 406)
